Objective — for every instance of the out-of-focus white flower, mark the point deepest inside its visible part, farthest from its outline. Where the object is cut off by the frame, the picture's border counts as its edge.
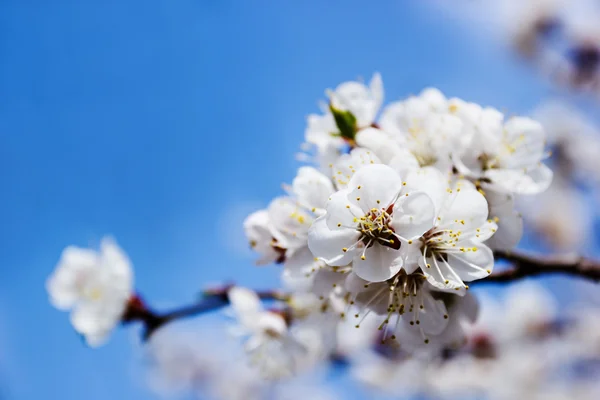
(311, 189)
(96, 285)
(280, 233)
(278, 349)
(367, 222)
(508, 157)
(322, 132)
(461, 313)
(362, 101)
(262, 237)
(180, 362)
(561, 216)
(347, 165)
(574, 139)
(509, 221)
(269, 345)
(405, 377)
(527, 311)
(430, 136)
(387, 149)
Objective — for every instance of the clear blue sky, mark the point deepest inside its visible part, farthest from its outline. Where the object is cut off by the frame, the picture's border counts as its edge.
(162, 123)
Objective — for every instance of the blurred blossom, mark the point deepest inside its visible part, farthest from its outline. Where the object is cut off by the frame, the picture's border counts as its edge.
(96, 285)
(180, 361)
(574, 140)
(560, 38)
(518, 349)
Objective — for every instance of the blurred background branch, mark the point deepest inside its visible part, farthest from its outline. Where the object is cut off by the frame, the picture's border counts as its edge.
(525, 265)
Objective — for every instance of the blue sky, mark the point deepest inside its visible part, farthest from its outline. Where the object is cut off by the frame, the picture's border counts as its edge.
(163, 123)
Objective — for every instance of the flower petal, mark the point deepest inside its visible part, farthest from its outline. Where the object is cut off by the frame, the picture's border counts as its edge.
(374, 186)
(413, 215)
(465, 209)
(312, 188)
(327, 244)
(73, 269)
(348, 164)
(379, 264)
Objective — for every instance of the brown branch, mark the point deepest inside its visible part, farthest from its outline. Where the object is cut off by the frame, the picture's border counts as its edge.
(524, 265)
(212, 299)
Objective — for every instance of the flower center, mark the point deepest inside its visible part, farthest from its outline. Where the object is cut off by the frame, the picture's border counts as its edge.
(434, 243)
(375, 228)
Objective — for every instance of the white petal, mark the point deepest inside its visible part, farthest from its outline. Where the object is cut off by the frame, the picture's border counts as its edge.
(484, 233)
(356, 98)
(431, 181)
(468, 306)
(117, 265)
(326, 280)
(268, 321)
(320, 129)
(439, 275)
(436, 100)
(380, 263)
(260, 235)
(465, 209)
(96, 319)
(528, 181)
(379, 185)
(342, 212)
(380, 143)
(404, 162)
(298, 270)
(73, 269)
(348, 164)
(510, 228)
(244, 301)
(312, 188)
(472, 265)
(413, 215)
(327, 244)
(526, 136)
(355, 284)
(291, 221)
(432, 316)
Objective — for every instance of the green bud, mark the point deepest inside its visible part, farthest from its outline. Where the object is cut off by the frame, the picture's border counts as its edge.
(345, 121)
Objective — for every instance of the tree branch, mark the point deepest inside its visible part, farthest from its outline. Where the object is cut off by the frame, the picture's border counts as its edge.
(212, 299)
(524, 265)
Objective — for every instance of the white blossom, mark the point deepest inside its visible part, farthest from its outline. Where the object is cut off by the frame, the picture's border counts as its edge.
(367, 222)
(405, 302)
(361, 100)
(452, 251)
(269, 344)
(508, 157)
(262, 237)
(95, 285)
(416, 124)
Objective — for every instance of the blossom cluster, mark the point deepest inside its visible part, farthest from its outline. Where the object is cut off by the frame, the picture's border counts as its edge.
(399, 209)
(523, 347)
(574, 141)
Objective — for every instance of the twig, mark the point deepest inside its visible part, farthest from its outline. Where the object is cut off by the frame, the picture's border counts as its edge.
(212, 299)
(524, 265)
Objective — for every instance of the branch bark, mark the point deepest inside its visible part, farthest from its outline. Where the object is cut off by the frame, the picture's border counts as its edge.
(523, 265)
(211, 300)
(526, 264)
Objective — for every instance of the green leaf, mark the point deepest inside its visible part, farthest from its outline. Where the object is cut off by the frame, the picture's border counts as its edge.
(345, 121)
